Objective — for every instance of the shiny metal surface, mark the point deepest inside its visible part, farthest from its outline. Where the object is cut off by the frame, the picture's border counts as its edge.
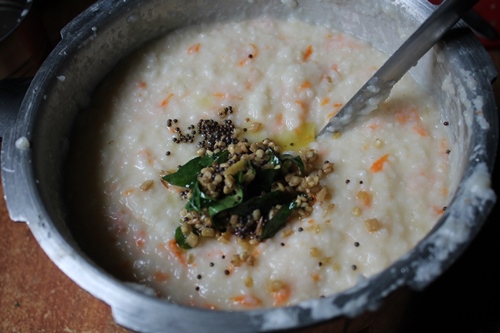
(94, 42)
(378, 88)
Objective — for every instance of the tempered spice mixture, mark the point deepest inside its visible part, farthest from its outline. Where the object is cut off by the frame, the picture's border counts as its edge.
(235, 187)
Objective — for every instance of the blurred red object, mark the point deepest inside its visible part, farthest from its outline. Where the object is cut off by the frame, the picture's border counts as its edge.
(489, 10)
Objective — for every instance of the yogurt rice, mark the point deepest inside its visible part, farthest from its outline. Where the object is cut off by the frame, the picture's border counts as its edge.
(282, 80)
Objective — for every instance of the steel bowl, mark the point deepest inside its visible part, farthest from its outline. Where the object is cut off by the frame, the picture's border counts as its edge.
(457, 71)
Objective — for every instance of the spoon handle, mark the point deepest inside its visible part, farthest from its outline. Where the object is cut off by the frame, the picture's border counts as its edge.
(378, 87)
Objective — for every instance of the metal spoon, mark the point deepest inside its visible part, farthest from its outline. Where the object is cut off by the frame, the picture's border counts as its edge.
(378, 87)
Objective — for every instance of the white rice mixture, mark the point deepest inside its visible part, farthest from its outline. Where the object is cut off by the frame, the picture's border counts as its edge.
(284, 80)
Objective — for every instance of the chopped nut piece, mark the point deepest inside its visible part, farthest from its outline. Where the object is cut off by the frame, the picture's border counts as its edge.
(223, 239)
(236, 260)
(208, 232)
(327, 167)
(255, 127)
(373, 225)
(356, 211)
(314, 252)
(192, 240)
(190, 259)
(275, 285)
(322, 194)
(147, 185)
(248, 281)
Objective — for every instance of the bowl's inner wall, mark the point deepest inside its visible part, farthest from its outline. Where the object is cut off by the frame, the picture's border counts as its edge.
(90, 49)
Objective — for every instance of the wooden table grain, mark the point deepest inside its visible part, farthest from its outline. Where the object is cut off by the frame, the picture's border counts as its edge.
(35, 296)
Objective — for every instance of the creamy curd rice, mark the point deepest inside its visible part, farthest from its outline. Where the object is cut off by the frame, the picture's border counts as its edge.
(283, 80)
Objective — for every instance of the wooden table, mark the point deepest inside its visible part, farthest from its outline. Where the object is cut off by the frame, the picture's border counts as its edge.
(36, 297)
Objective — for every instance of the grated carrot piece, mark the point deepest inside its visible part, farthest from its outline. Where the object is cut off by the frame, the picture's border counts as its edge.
(337, 107)
(246, 300)
(160, 276)
(331, 114)
(210, 306)
(220, 95)
(308, 53)
(299, 103)
(420, 130)
(177, 251)
(315, 277)
(305, 85)
(378, 165)
(146, 153)
(143, 84)
(279, 119)
(128, 192)
(438, 210)
(281, 296)
(166, 100)
(194, 48)
(252, 55)
(325, 101)
(445, 191)
(255, 50)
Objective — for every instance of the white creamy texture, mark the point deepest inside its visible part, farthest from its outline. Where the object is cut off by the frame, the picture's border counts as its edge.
(391, 171)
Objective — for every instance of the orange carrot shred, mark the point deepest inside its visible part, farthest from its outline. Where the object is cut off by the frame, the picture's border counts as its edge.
(325, 101)
(299, 103)
(281, 296)
(307, 53)
(306, 84)
(220, 95)
(166, 100)
(420, 130)
(279, 119)
(128, 192)
(378, 165)
(331, 114)
(160, 276)
(252, 55)
(248, 301)
(438, 210)
(176, 251)
(194, 48)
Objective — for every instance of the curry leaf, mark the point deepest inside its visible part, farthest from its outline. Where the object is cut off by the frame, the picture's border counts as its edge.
(273, 159)
(227, 202)
(278, 221)
(180, 239)
(264, 178)
(198, 199)
(287, 160)
(186, 175)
